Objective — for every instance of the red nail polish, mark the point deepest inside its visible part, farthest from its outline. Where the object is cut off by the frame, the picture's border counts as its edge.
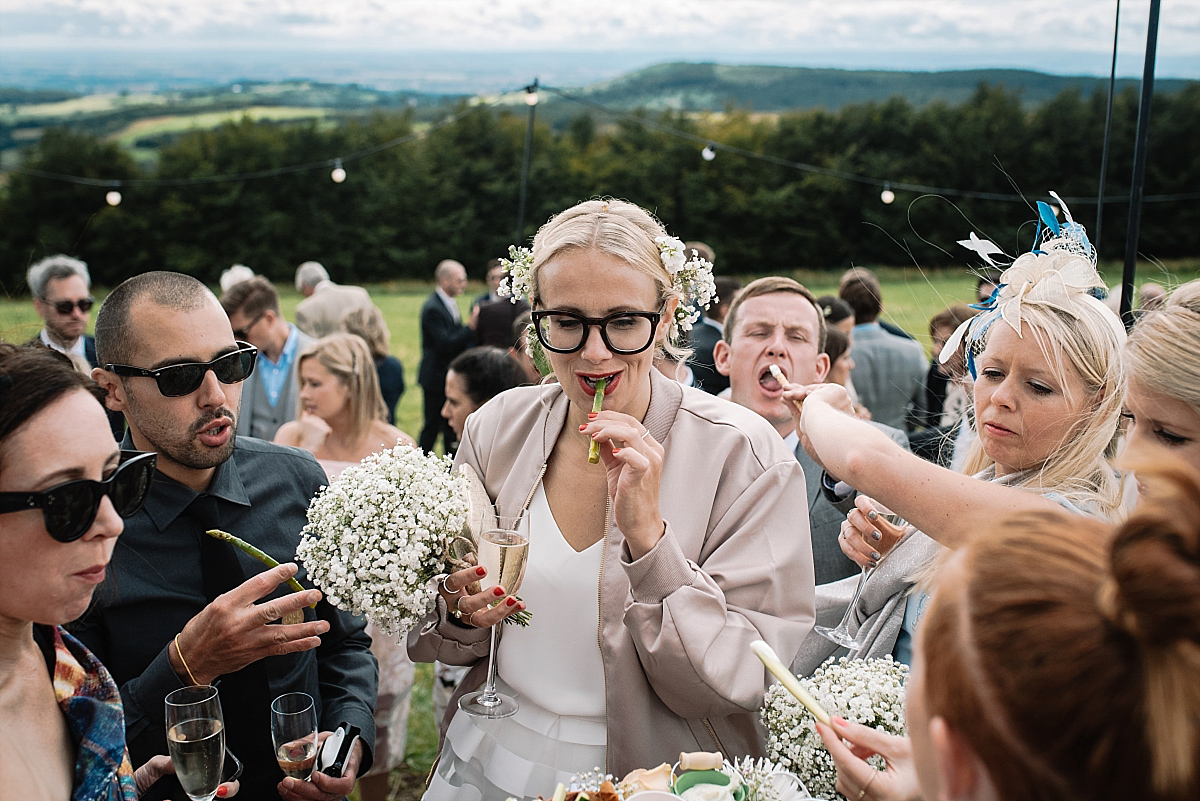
(582, 427)
(522, 607)
(221, 791)
(591, 415)
(498, 592)
(615, 451)
(479, 571)
(511, 601)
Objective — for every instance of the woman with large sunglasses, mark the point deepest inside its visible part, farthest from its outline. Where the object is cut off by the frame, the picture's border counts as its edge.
(64, 487)
(651, 571)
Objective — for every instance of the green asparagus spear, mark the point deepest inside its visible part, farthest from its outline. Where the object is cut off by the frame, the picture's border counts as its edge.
(261, 556)
(594, 448)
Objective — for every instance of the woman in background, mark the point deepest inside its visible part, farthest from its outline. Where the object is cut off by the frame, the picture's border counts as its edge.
(474, 378)
(367, 322)
(341, 423)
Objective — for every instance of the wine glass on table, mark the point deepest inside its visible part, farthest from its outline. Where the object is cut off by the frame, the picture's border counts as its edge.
(502, 552)
(841, 633)
(294, 734)
(196, 739)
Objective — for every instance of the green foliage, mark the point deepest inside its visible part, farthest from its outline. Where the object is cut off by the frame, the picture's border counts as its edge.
(453, 193)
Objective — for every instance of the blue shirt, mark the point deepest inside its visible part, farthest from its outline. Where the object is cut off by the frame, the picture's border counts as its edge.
(273, 374)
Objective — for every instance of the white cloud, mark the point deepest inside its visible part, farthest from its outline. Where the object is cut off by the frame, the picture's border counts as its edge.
(989, 29)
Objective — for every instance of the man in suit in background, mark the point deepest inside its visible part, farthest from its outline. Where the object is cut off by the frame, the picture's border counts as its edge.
(777, 321)
(888, 370)
(443, 336)
(269, 394)
(494, 316)
(61, 286)
(493, 277)
(325, 303)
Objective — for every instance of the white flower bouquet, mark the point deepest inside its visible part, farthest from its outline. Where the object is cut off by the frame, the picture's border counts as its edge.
(378, 538)
(866, 691)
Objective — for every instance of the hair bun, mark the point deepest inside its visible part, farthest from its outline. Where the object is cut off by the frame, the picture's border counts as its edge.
(1153, 591)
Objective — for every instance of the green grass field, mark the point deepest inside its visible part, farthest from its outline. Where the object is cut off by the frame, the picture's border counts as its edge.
(911, 297)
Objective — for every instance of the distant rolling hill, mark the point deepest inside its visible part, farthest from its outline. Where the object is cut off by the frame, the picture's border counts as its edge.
(714, 87)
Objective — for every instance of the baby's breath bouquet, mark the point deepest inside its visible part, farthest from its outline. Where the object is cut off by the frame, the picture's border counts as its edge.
(866, 691)
(379, 536)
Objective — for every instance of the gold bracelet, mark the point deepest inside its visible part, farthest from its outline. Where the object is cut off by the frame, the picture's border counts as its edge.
(179, 653)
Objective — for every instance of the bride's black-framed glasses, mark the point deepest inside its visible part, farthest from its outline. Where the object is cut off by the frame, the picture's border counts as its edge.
(177, 380)
(69, 509)
(624, 332)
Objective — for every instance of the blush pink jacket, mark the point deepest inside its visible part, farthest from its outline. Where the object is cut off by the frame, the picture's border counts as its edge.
(735, 565)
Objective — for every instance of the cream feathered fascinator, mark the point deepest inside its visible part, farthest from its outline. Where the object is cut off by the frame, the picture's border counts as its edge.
(1060, 273)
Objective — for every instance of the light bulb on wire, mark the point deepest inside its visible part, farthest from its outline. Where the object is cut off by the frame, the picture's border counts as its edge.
(113, 198)
(708, 154)
(338, 175)
(887, 195)
(531, 97)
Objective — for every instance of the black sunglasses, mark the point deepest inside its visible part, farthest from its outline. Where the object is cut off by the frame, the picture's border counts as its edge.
(243, 332)
(69, 509)
(177, 380)
(65, 307)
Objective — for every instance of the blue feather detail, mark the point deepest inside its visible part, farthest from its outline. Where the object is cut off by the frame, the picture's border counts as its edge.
(1049, 218)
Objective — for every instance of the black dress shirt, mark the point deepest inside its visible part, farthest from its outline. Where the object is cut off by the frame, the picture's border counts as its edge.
(155, 584)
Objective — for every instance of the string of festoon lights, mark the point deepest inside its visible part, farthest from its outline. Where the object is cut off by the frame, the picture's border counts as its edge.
(708, 153)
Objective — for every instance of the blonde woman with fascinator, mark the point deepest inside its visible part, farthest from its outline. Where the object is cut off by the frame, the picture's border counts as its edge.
(1047, 400)
(342, 419)
(651, 571)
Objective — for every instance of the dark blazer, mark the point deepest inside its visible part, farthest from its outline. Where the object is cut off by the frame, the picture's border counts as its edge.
(441, 340)
(495, 322)
(89, 349)
(705, 337)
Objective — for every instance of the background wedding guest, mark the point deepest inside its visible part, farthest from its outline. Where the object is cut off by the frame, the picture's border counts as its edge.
(269, 393)
(930, 410)
(369, 324)
(443, 336)
(776, 320)
(341, 422)
(519, 349)
(61, 289)
(888, 369)
(340, 415)
(838, 313)
(493, 275)
(494, 315)
(234, 274)
(987, 279)
(997, 706)
(325, 303)
(171, 364)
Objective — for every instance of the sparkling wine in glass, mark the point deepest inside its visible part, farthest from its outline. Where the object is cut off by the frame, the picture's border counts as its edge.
(841, 633)
(502, 552)
(294, 734)
(196, 739)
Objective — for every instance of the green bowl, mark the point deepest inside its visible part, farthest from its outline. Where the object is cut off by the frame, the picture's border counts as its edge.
(685, 781)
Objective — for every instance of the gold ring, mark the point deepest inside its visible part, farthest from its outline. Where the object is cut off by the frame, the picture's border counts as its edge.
(458, 613)
(863, 791)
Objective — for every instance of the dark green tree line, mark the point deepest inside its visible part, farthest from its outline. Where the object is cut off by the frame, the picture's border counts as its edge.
(454, 192)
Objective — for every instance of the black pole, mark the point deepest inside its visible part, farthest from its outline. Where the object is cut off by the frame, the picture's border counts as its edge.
(1112, 83)
(1137, 184)
(531, 95)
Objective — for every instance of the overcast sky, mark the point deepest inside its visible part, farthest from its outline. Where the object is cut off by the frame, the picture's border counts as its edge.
(1073, 36)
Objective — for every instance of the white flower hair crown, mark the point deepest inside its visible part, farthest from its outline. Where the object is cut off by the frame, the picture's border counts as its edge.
(692, 278)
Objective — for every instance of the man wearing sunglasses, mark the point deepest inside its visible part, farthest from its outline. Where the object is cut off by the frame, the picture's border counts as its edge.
(60, 288)
(182, 608)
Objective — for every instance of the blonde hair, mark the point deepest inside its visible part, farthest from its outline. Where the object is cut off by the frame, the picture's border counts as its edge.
(348, 358)
(1163, 352)
(367, 322)
(619, 229)
(1049, 293)
(1066, 652)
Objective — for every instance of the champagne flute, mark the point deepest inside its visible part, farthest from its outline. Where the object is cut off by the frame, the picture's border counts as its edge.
(196, 739)
(502, 552)
(294, 734)
(841, 633)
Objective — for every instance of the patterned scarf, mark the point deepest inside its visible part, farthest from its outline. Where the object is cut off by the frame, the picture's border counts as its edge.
(89, 699)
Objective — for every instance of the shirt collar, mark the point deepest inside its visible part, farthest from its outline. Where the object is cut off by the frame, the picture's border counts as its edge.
(449, 302)
(289, 348)
(322, 284)
(168, 498)
(792, 441)
(76, 349)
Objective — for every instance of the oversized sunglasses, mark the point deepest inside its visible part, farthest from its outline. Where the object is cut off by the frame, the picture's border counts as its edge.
(177, 380)
(65, 307)
(69, 509)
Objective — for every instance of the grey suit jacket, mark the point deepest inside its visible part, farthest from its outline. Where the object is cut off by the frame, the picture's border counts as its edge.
(321, 315)
(825, 517)
(258, 418)
(888, 373)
